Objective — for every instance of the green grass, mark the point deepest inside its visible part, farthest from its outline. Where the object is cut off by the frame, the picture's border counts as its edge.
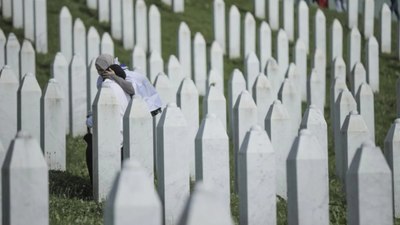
(71, 201)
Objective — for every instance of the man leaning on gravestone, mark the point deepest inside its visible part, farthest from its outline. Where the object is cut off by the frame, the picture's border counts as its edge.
(131, 82)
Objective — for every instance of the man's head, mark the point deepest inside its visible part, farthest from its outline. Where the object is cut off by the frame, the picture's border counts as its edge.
(103, 62)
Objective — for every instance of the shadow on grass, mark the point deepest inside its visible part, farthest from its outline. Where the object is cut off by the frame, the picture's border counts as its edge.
(66, 185)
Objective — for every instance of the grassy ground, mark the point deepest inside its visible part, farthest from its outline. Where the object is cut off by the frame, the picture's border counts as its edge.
(70, 191)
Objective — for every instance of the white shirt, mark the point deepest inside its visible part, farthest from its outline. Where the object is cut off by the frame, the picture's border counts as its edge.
(142, 87)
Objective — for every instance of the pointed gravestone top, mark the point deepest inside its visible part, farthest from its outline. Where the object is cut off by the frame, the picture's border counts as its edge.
(162, 80)
(255, 138)
(306, 147)
(59, 60)
(184, 29)
(237, 77)
(354, 123)
(172, 117)
(339, 67)
(368, 160)
(262, 82)
(205, 207)
(278, 111)
(12, 41)
(336, 24)
(211, 128)
(2, 36)
(312, 116)
(65, 13)
(30, 83)
(27, 47)
(139, 108)
(129, 201)
(198, 38)
(53, 90)
(216, 48)
(7, 75)
(78, 25)
(92, 33)
(272, 67)
(173, 62)
(187, 87)
(245, 101)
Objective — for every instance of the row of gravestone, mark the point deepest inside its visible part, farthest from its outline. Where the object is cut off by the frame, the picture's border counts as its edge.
(22, 59)
(31, 15)
(131, 23)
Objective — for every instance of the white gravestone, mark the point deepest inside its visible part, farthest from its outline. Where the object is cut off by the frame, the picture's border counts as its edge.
(293, 74)
(53, 126)
(354, 133)
(200, 63)
(263, 97)
(26, 191)
(93, 44)
(386, 29)
(167, 2)
(300, 55)
(104, 11)
(41, 26)
(60, 72)
(358, 76)
(106, 154)
(79, 40)
(279, 128)
(320, 31)
(139, 60)
(214, 79)
(156, 65)
(8, 105)
(369, 191)
(344, 104)
(141, 24)
(29, 20)
(365, 106)
(252, 69)
(217, 60)
(6, 9)
(303, 24)
(244, 117)
(288, 19)
(178, 6)
(154, 29)
(185, 49)
(3, 153)
(353, 49)
(265, 44)
(173, 162)
(205, 207)
(212, 157)
(18, 14)
(337, 86)
(338, 69)
(215, 103)
(78, 96)
(29, 113)
(234, 32)
(66, 33)
(116, 19)
(28, 58)
(91, 4)
(3, 41)
(249, 34)
(107, 44)
(257, 177)
(308, 181)
(92, 77)
(369, 11)
(291, 100)
(372, 58)
(272, 71)
(391, 150)
(12, 54)
(236, 85)
(138, 135)
(219, 23)
(273, 13)
(130, 203)
(282, 53)
(174, 73)
(128, 31)
(188, 101)
(336, 40)
(259, 9)
(352, 14)
(314, 121)
(316, 95)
